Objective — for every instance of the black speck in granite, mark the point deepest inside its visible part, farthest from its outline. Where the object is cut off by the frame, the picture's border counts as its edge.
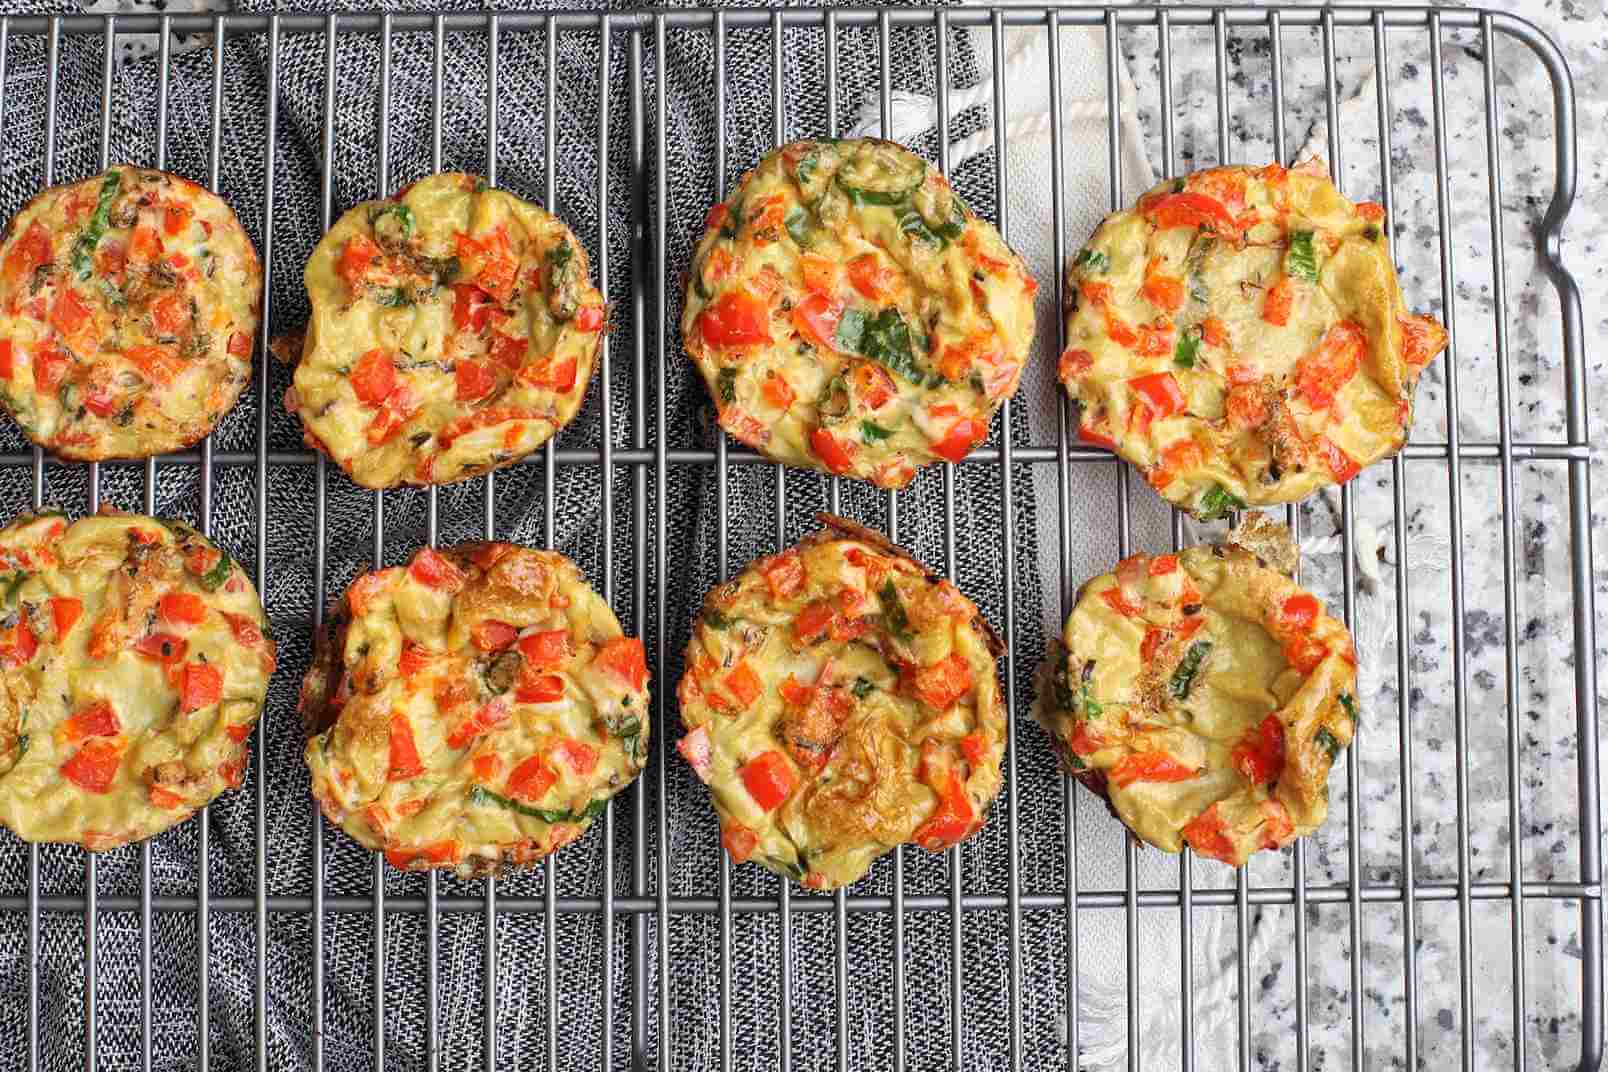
(1445, 1019)
(1482, 629)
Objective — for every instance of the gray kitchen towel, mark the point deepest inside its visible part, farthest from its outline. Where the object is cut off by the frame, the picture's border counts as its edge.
(343, 1027)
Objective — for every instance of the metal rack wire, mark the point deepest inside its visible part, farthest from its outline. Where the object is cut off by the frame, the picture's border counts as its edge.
(650, 458)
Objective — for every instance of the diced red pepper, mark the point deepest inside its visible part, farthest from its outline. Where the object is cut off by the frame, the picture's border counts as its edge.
(1154, 638)
(974, 746)
(27, 254)
(785, 575)
(70, 313)
(715, 217)
(145, 244)
(1260, 754)
(65, 610)
(487, 765)
(96, 720)
(357, 257)
(413, 659)
(170, 313)
(1161, 565)
(624, 658)
(491, 635)
(487, 717)
(1422, 338)
(795, 693)
(1191, 210)
(1074, 363)
(158, 364)
(176, 218)
(962, 436)
(163, 647)
(201, 685)
(531, 780)
(1149, 767)
(831, 450)
(871, 277)
(743, 684)
(1213, 331)
(545, 649)
(944, 682)
(434, 570)
(1206, 835)
(1118, 600)
(952, 820)
(1176, 458)
(769, 779)
(1300, 611)
(589, 318)
(739, 841)
(538, 688)
(1341, 465)
(240, 345)
(1161, 391)
(1278, 301)
(1165, 292)
(696, 749)
(373, 377)
(182, 608)
(8, 359)
(471, 307)
(162, 797)
(873, 385)
(812, 622)
(404, 762)
(817, 317)
(1304, 653)
(93, 767)
(1321, 374)
(474, 380)
(580, 756)
(776, 391)
(1372, 211)
(736, 318)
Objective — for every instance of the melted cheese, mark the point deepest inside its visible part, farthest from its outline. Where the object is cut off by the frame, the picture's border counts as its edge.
(128, 310)
(1232, 756)
(1240, 336)
(843, 290)
(867, 758)
(409, 657)
(174, 735)
(480, 307)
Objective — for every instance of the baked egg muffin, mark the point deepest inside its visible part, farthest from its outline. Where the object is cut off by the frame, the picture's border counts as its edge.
(454, 330)
(1240, 336)
(851, 314)
(128, 308)
(135, 660)
(839, 700)
(474, 710)
(1205, 696)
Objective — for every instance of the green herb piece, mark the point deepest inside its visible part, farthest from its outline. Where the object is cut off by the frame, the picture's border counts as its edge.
(481, 186)
(834, 400)
(1092, 262)
(1074, 760)
(1216, 503)
(213, 578)
(893, 611)
(11, 585)
(727, 381)
(113, 295)
(1195, 266)
(862, 688)
(792, 868)
(559, 257)
(954, 227)
(629, 733)
(714, 619)
(1301, 261)
(22, 747)
(886, 340)
(393, 224)
(1092, 708)
(911, 223)
(1370, 233)
(1184, 676)
(798, 224)
(871, 432)
(1328, 742)
(1188, 346)
(482, 796)
(89, 238)
(851, 330)
(391, 297)
(864, 195)
(1350, 704)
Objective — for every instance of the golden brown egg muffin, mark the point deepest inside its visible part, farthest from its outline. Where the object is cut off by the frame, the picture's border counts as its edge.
(1205, 696)
(473, 710)
(1240, 336)
(454, 330)
(135, 660)
(128, 308)
(841, 699)
(850, 314)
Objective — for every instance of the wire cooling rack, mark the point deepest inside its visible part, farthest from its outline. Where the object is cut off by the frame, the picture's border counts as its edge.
(1331, 1019)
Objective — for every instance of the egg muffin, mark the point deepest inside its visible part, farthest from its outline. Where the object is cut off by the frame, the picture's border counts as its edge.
(1205, 696)
(128, 307)
(474, 710)
(1240, 336)
(454, 330)
(135, 660)
(851, 314)
(839, 700)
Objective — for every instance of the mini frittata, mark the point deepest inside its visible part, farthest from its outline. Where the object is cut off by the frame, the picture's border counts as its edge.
(454, 330)
(135, 660)
(1240, 336)
(840, 699)
(128, 308)
(1205, 696)
(851, 314)
(473, 710)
